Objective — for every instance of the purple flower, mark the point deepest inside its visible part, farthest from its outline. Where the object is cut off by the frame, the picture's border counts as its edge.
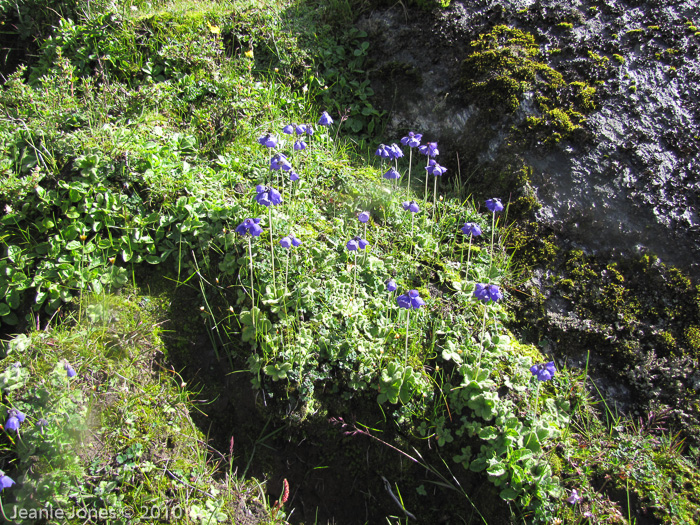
(487, 292)
(395, 151)
(494, 205)
(293, 176)
(299, 145)
(392, 174)
(412, 140)
(356, 243)
(325, 119)
(430, 149)
(280, 161)
(5, 482)
(267, 196)
(289, 241)
(410, 300)
(363, 217)
(13, 421)
(574, 498)
(390, 285)
(410, 206)
(383, 152)
(288, 129)
(249, 226)
(434, 168)
(309, 130)
(471, 228)
(268, 140)
(300, 129)
(70, 372)
(543, 372)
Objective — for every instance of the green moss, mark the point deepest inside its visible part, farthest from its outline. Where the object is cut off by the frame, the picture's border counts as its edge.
(619, 59)
(565, 25)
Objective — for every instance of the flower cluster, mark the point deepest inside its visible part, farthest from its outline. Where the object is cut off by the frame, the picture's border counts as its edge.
(411, 299)
(251, 226)
(14, 419)
(471, 228)
(430, 149)
(544, 371)
(412, 140)
(410, 206)
(494, 205)
(325, 119)
(289, 241)
(356, 243)
(269, 141)
(392, 174)
(267, 196)
(488, 293)
(433, 168)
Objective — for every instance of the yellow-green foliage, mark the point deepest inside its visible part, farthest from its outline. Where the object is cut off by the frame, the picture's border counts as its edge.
(506, 64)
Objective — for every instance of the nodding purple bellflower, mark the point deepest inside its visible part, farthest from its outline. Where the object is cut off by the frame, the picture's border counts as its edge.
(487, 292)
(267, 196)
(356, 243)
(363, 217)
(383, 152)
(390, 285)
(395, 151)
(325, 119)
(412, 140)
(392, 174)
(288, 129)
(293, 176)
(5, 482)
(280, 161)
(251, 226)
(299, 145)
(70, 372)
(269, 141)
(471, 228)
(494, 205)
(433, 168)
(300, 129)
(309, 130)
(544, 371)
(411, 299)
(430, 149)
(410, 206)
(289, 241)
(15, 417)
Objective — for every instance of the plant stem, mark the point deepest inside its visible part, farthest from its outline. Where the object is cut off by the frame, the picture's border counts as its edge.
(410, 161)
(272, 251)
(469, 254)
(408, 317)
(435, 197)
(425, 197)
(354, 277)
(250, 257)
(493, 232)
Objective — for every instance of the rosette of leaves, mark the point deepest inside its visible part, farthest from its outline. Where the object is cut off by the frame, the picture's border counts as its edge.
(397, 383)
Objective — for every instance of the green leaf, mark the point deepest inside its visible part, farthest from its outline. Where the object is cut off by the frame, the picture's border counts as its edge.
(4, 309)
(509, 494)
(496, 469)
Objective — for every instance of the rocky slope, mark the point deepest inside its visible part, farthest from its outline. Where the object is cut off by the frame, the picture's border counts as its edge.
(585, 115)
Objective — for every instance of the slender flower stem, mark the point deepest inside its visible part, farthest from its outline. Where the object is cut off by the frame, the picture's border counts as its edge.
(435, 196)
(493, 232)
(272, 251)
(250, 257)
(354, 277)
(286, 272)
(410, 161)
(364, 261)
(481, 349)
(425, 197)
(469, 254)
(408, 318)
